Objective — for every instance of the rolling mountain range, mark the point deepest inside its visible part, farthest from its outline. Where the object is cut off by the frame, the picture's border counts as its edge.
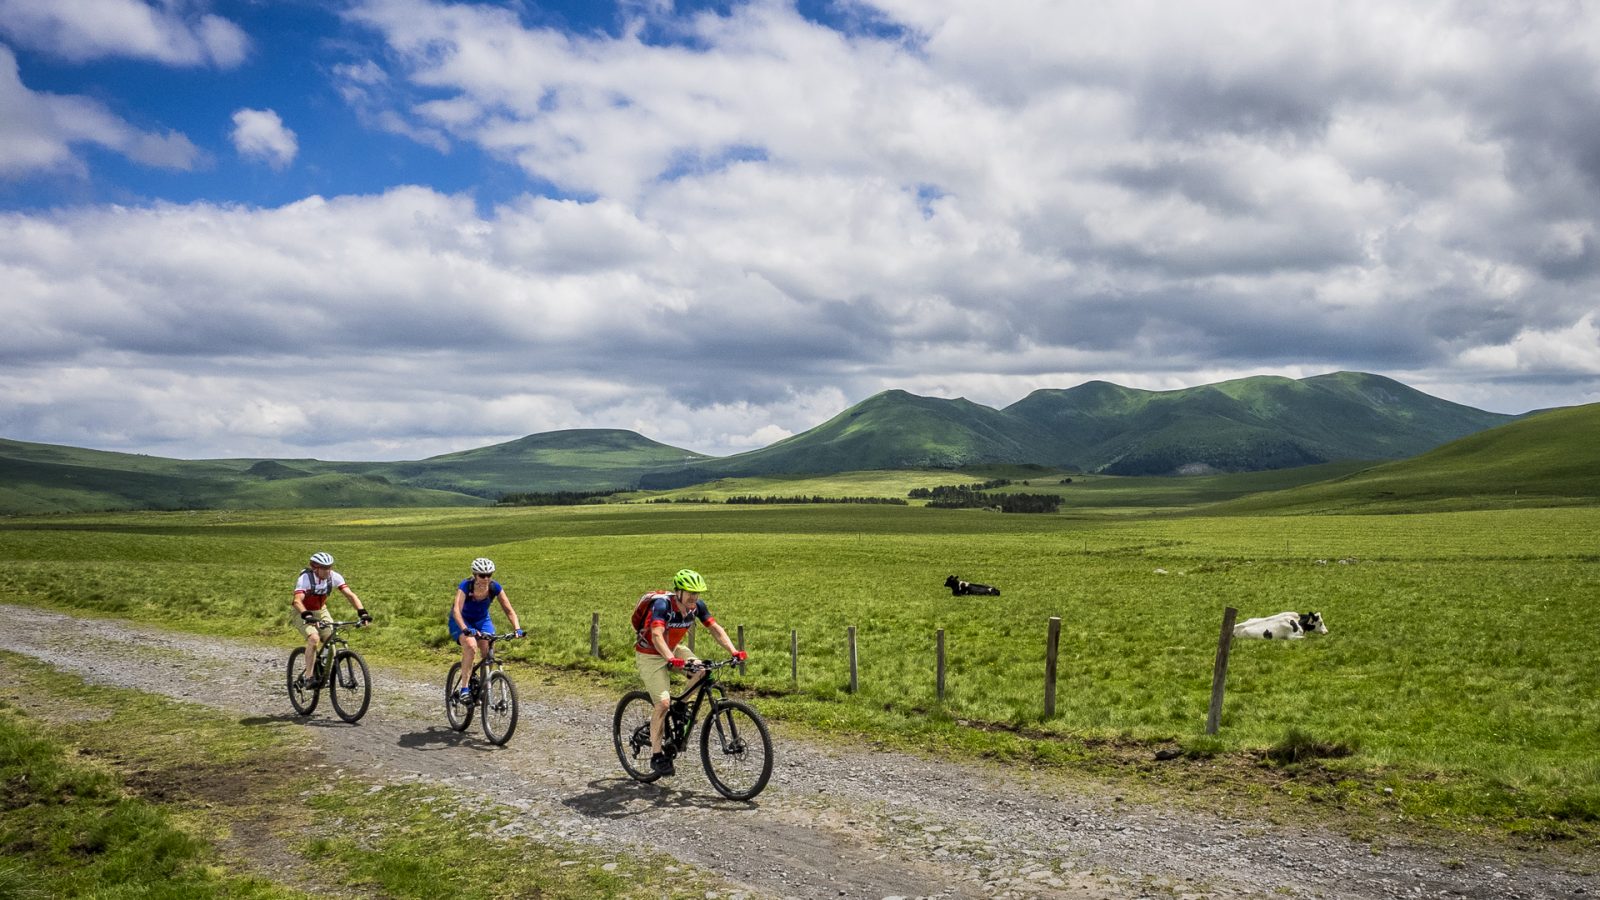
(1249, 424)
(1245, 425)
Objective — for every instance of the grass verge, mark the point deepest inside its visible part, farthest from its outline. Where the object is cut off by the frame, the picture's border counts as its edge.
(113, 793)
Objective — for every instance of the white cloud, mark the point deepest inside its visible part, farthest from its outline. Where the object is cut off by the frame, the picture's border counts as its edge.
(173, 33)
(40, 131)
(1573, 349)
(261, 134)
(779, 218)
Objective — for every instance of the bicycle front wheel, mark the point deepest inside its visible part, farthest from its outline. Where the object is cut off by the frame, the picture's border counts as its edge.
(459, 713)
(736, 750)
(301, 696)
(499, 708)
(630, 732)
(350, 687)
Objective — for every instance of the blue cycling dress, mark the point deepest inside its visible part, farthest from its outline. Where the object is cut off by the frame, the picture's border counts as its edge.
(474, 612)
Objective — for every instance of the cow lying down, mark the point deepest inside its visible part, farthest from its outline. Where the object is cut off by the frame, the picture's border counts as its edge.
(958, 587)
(1283, 626)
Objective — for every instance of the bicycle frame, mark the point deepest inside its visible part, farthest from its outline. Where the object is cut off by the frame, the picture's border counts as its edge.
(330, 646)
(678, 735)
(487, 662)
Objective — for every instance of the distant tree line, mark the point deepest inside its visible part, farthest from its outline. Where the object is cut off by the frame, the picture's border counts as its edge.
(553, 498)
(754, 499)
(945, 491)
(1011, 503)
(973, 496)
(814, 498)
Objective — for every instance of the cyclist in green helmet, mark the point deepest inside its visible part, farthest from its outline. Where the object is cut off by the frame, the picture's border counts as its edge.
(667, 617)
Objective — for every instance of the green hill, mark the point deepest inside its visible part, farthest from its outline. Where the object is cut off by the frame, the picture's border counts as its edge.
(583, 459)
(43, 478)
(1251, 424)
(1264, 422)
(1548, 458)
(40, 478)
(890, 430)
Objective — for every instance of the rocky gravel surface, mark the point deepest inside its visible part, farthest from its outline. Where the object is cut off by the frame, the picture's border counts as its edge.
(834, 823)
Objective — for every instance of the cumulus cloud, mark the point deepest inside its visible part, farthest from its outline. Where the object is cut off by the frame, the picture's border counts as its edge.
(761, 217)
(261, 134)
(41, 130)
(175, 32)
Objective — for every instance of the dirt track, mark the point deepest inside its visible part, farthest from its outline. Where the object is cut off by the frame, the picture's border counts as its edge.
(834, 823)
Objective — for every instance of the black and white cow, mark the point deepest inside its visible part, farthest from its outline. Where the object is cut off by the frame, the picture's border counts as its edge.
(958, 588)
(1283, 626)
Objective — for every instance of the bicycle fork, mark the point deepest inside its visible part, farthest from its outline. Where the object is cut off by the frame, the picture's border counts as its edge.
(727, 732)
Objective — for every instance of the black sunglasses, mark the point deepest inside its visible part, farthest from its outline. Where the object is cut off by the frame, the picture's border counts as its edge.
(484, 574)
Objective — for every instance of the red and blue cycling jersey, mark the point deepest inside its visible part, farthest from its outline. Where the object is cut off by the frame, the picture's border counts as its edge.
(665, 613)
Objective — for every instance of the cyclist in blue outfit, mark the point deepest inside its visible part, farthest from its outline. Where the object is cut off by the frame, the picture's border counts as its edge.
(469, 615)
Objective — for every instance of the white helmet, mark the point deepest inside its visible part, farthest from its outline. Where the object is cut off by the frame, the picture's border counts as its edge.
(483, 566)
(321, 559)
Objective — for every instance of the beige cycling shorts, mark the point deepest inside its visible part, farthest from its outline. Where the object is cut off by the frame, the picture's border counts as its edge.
(653, 670)
(306, 629)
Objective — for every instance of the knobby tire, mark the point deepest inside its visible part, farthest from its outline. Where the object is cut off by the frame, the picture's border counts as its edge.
(499, 719)
(736, 750)
(630, 734)
(350, 686)
(303, 701)
(459, 714)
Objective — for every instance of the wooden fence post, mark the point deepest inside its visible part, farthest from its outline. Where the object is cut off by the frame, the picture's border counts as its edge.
(940, 681)
(1219, 672)
(594, 635)
(1051, 645)
(850, 635)
(741, 647)
(794, 657)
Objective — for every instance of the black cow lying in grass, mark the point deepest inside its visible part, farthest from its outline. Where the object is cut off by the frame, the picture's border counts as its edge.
(958, 587)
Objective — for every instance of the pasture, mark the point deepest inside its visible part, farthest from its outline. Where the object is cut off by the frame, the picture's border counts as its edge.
(1459, 675)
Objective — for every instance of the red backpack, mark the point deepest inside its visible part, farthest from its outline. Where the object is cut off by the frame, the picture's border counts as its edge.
(641, 612)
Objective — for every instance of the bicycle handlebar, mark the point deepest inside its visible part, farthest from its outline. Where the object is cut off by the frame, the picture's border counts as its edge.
(703, 666)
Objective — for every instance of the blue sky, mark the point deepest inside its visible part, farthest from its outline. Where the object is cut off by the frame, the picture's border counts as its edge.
(394, 228)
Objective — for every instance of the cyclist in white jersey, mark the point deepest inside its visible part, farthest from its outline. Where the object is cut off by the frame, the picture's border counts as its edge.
(317, 580)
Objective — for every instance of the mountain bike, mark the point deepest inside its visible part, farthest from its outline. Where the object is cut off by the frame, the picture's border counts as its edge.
(338, 668)
(735, 748)
(490, 688)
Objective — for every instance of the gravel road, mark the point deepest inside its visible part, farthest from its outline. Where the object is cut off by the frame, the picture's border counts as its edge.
(835, 822)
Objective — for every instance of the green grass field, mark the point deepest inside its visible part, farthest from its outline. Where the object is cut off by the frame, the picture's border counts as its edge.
(1458, 666)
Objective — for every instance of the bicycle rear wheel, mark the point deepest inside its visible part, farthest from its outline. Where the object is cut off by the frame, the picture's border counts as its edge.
(350, 687)
(301, 696)
(630, 732)
(499, 708)
(736, 750)
(459, 713)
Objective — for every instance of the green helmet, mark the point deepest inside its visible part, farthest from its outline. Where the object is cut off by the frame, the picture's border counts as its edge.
(689, 580)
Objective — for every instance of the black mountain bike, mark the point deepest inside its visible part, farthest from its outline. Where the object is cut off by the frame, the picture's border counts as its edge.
(338, 668)
(734, 745)
(490, 688)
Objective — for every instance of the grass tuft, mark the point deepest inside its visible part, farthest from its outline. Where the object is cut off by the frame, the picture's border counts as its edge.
(1298, 746)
